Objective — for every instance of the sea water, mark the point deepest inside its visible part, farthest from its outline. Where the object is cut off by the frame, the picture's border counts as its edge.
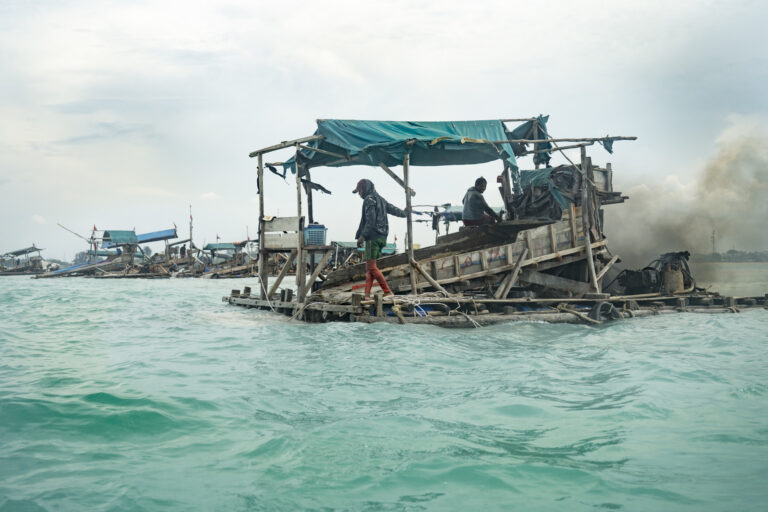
(153, 395)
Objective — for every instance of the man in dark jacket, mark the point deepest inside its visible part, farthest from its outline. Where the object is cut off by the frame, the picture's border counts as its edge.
(373, 231)
(476, 210)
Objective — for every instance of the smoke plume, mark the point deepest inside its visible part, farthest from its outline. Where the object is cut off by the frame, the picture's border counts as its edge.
(728, 196)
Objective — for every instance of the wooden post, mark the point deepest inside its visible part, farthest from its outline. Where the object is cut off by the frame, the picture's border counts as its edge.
(406, 180)
(316, 273)
(283, 273)
(574, 235)
(534, 135)
(509, 282)
(308, 191)
(585, 216)
(300, 270)
(310, 215)
(262, 251)
(437, 286)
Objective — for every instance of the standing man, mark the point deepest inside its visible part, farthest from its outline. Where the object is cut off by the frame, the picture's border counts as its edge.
(476, 210)
(373, 231)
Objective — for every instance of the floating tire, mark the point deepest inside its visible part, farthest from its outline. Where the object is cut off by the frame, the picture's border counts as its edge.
(604, 312)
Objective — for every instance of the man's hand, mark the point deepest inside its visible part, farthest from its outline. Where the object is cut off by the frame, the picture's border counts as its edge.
(360, 241)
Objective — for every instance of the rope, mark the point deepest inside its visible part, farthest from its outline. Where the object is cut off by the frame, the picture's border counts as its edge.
(582, 316)
(266, 293)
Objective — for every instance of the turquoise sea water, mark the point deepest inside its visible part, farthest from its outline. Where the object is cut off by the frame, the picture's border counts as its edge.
(155, 395)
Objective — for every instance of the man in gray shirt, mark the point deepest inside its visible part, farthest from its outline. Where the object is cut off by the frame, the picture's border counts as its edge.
(476, 210)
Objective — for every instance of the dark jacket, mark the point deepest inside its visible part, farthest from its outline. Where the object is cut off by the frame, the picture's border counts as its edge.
(373, 223)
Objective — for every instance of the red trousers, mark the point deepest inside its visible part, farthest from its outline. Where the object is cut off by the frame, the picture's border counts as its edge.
(372, 272)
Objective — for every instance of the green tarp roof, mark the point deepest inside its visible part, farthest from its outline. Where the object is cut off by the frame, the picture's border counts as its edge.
(428, 143)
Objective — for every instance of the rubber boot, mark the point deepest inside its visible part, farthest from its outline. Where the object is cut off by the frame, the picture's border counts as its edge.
(369, 278)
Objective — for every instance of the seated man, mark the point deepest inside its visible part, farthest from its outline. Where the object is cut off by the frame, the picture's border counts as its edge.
(476, 210)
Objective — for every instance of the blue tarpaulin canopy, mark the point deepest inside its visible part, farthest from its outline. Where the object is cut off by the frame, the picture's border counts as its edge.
(428, 143)
(155, 236)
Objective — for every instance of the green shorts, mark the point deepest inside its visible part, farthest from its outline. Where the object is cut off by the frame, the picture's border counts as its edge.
(373, 248)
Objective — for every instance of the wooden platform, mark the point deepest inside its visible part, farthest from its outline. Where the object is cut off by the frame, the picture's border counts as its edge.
(481, 311)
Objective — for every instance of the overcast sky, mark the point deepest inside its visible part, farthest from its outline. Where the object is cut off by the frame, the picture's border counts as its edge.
(121, 114)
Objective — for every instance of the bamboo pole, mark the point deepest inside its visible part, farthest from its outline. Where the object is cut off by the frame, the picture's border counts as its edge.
(575, 139)
(406, 181)
(437, 286)
(300, 248)
(585, 207)
(262, 250)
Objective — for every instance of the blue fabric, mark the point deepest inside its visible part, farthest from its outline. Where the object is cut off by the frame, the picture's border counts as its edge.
(428, 143)
(155, 236)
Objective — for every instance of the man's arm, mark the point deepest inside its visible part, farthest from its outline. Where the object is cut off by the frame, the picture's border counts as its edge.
(394, 210)
(487, 209)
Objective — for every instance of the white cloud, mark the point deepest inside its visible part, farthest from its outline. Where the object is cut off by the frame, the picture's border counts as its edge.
(208, 196)
(38, 219)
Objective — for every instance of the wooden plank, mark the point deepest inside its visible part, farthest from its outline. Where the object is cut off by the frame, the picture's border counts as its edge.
(284, 144)
(586, 198)
(281, 240)
(503, 291)
(552, 238)
(555, 282)
(435, 284)
(483, 260)
(282, 224)
(409, 219)
(262, 252)
(607, 267)
(395, 177)
(319, 268)
(481, 237)
(283, 273)
(574, 235)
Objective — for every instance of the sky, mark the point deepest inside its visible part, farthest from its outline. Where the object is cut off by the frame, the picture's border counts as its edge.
(122, 114)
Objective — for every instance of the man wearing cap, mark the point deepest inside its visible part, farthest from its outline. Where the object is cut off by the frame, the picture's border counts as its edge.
(373, 231)
(476, 210)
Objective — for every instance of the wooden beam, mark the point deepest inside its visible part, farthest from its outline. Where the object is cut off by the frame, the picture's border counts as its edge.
(262, 253)
(409, 218)
(585, 200)
(300, 270)
(572, 215)
(316, 272)
(435, 284)
(509, 281)
(555, 282)
(551, 150)
(284, 144)
(324, 152)
(283, 273)
(395, 177)
(581, 139)
(607, 267)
